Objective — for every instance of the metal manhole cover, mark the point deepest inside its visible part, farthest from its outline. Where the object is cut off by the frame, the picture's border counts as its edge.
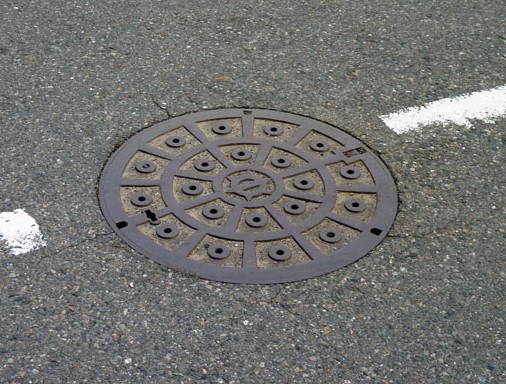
(248, 196)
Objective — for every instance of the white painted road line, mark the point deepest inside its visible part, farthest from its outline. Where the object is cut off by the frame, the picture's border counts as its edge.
(20, 232)
(485, 105)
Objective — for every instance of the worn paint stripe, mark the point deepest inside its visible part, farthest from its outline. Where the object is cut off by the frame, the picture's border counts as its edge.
(486, 105)
(20, 232)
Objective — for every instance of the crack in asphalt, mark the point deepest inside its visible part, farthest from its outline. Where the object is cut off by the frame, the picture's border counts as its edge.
(160, 105)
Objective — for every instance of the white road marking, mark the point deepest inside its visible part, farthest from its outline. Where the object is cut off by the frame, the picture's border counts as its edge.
(20, 232)
(485, 105)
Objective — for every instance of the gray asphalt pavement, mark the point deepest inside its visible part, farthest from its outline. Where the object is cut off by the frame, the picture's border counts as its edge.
(79, 77)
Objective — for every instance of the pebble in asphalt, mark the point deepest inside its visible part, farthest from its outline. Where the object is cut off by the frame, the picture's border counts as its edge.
(77, 79)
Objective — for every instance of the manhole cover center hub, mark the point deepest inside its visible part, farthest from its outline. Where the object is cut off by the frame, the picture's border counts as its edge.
(251, 185)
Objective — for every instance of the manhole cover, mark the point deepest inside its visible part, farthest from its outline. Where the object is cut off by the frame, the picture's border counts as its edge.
(248, 196)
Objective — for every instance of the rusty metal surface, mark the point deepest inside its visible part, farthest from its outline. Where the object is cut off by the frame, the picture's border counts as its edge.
(248, 196)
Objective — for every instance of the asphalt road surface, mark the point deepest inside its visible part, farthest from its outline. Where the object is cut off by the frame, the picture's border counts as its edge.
(79, 77)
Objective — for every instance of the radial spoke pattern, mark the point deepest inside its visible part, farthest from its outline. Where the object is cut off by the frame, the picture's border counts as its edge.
(251, 196)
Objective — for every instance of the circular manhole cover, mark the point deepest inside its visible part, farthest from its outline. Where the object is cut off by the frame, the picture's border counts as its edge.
(248, 196)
